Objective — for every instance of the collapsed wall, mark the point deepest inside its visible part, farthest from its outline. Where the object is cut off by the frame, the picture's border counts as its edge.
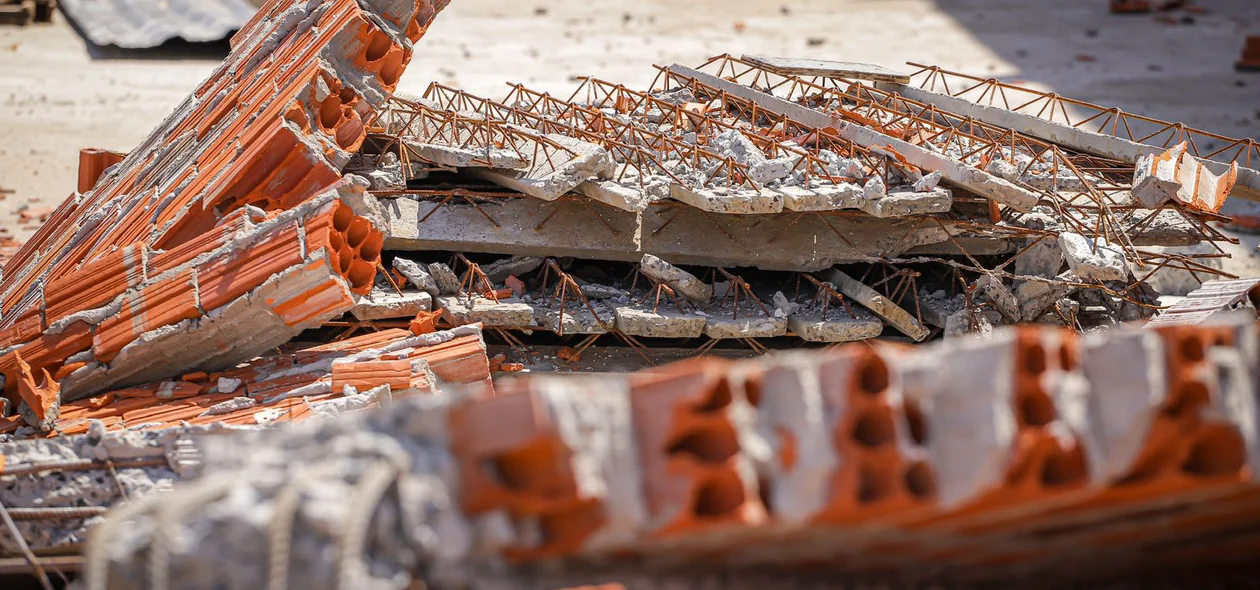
(972, 459)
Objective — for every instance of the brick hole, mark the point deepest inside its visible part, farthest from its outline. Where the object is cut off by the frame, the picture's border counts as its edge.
(765, 485)
(1034, 359)
(350, 133)
(1191, 348)
(378, 46)
(873, 376)
(342, 216)
(721, 495)
(1221, 340)
(361, 274)
(752, 389)
(1219, 451)
(528, 468)
(1035, 409)
(916, 423)
(345, 257)
(347, 96)
(330, 113)
(874, 428)
(335, 241)
(1062, 468)
(874, 484)
(371, 248)
(920, 481)
(1067, 357)
(706, 446)
(358, 232)
(392, 68)
(718, 398)
(1187, 396)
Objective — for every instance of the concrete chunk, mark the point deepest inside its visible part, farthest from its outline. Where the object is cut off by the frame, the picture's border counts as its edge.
(665, 322)
(1093, 261)
(447, 280)
(735, 201)
(613, 194)
(507, 313)
(385, 303)
(872, 300)
(458, 157)
(838, 327)
(417, 275)
(906, 203)
(686, 283)
(499, 270)
(549, 178)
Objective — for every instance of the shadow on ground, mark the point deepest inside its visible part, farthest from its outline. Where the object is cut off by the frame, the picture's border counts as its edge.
(1176, 65)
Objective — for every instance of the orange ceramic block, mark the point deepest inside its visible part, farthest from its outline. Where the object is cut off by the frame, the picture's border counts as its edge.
(365, 375)
(161, 304)
(689, 450)
(93, 162)
(38, 390)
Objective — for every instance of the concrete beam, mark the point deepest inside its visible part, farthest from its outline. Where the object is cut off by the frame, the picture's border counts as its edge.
(974, 180)
(786, 241)
(795, 66)
(1083, 140)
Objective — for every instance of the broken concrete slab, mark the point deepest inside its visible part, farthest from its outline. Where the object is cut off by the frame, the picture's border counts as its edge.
(906, 203)
(383, 304)
(504, 313)
(613, 194)
(795, 66)
(1155, 177)
(784, 241)
(874, 301)
(827, 197)
(839, 326)
(1096, 260)
(576, 319)
(721, 324)
(460, 157)
(735, 200)
(550, 178)
(952, 170)
(665, 322)
(1041, 258)
(684, 282)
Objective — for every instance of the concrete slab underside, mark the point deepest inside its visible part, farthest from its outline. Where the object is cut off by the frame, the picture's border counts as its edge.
(787, 241)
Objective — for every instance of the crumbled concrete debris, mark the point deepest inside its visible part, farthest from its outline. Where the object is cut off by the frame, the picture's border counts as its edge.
(447, 281)
(550, 178)
(417, 275)
(783, 307)
(1003, 169)
(1098, 260)
(597, 291)
(686, 283)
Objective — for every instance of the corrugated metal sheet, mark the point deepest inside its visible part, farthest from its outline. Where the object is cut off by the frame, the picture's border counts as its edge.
(1211, 297)
(147, 23)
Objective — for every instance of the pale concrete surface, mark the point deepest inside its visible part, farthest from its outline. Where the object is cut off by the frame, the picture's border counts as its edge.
(55, 98)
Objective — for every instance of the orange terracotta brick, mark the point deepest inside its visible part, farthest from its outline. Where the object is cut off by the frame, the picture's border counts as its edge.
(689, 451)
(365, 375)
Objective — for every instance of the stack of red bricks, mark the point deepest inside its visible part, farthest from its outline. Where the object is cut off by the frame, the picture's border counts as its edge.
(328, 379)
(225, 233)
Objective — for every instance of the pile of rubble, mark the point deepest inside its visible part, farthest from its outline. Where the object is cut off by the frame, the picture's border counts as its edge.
(977, 460)
(295, 242)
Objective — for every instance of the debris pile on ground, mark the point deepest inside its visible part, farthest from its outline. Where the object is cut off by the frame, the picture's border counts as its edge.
(295, 242)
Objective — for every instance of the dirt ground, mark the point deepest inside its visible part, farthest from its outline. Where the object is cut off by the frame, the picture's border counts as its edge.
(59, 94)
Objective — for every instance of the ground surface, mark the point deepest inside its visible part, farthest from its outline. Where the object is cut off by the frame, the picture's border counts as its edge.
(58, 94)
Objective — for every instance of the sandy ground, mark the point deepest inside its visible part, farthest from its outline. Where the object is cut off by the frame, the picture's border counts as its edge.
(58, 94)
